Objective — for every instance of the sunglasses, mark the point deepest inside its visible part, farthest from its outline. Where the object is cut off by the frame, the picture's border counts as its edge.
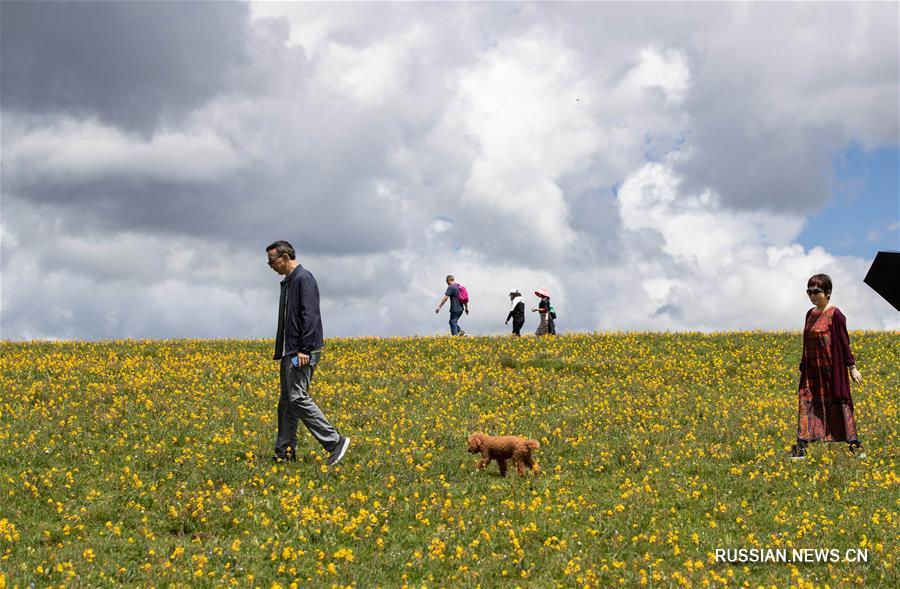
(814, 291)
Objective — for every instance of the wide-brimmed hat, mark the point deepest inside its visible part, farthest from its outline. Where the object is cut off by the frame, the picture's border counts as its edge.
(542, 292)
(514, 291)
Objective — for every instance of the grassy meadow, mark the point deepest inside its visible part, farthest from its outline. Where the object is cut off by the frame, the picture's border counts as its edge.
(148, 463)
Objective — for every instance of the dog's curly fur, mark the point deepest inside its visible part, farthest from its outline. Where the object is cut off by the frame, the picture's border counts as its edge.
(503, 448)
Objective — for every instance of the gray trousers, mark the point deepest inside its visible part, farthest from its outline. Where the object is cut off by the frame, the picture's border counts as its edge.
(295, 405)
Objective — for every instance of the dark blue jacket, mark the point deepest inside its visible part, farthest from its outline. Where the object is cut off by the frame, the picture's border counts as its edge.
(302, 321)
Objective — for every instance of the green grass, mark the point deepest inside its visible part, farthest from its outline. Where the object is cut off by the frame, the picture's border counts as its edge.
(147, 463)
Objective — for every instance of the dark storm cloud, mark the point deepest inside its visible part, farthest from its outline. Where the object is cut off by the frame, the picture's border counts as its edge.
(300, 163)
(242, 212)
(127, 63)
(758, 168)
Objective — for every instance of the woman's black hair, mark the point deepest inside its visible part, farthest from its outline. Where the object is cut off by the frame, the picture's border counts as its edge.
(822, 281)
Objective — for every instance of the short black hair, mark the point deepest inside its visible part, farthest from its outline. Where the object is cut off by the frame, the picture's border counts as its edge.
(822, 281)
(282, 247)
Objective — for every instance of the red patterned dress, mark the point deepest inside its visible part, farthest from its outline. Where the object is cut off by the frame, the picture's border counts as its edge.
(826, 408)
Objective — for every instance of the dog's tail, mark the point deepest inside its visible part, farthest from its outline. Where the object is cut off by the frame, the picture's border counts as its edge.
(533, 444)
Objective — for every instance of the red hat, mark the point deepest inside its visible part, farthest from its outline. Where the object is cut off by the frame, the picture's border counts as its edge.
(542, 292)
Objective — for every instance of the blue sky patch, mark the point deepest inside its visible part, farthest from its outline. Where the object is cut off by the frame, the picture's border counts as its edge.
(863, 213)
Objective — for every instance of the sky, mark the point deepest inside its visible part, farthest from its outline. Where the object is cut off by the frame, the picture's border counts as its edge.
(656, 166)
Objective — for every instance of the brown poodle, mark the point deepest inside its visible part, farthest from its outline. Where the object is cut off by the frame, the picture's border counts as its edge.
(501, 449)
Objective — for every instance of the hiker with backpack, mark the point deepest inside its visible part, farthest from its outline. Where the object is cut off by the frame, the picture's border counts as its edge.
(547, 325)
(459, 304)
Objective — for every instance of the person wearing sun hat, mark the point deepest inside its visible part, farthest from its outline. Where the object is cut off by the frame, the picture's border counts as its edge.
(516, 311)
(546, 326)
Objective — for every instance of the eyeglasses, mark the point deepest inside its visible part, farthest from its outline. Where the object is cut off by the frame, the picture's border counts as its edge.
(814, 291)
(273, 260)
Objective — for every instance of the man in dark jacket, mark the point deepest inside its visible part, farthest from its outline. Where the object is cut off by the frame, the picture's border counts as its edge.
(298, 344)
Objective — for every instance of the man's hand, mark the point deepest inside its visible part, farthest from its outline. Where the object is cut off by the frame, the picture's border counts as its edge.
(467, 311)
(302, 359)
(507, 322)
(438, 310)
(855, 375)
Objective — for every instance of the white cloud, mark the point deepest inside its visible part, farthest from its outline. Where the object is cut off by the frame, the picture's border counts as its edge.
(696, 228)
(667, 71)
(396, 143)
(73, 150)
(373, 74)
(519, 108)
(721, 269)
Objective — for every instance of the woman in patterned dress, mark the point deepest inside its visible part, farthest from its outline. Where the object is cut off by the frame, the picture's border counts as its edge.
(543, 308)
(825, 409)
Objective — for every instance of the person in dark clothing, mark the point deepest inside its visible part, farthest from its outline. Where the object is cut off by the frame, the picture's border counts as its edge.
(298, 344)
(551, 319)
(456, 307)
(517, 311)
